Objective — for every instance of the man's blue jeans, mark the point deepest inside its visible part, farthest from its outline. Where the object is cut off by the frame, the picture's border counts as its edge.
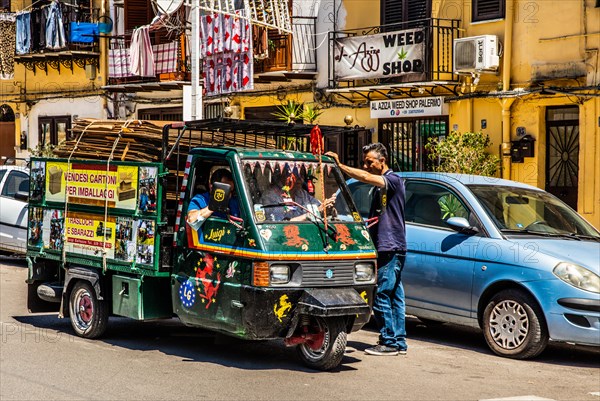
(389, 307)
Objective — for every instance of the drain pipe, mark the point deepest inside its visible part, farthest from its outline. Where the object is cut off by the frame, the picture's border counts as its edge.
(103, 44)
(506, 103)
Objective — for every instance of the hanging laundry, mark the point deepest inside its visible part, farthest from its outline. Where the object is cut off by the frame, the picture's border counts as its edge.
(23, 39)
(55, 29)
(208, 25)
(227, 26)
(165, 57)
(141, 58)
(39, 16)
(260, 42)
(226, 54)
(7, 45)
(83, 32)
(218, 33)
(118, 63)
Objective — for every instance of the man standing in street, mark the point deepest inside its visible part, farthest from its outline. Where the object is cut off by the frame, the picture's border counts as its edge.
(390, 240)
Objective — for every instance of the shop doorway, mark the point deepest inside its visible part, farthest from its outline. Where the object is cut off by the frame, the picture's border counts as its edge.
(562, 153)
(7, 131)
(405, 140)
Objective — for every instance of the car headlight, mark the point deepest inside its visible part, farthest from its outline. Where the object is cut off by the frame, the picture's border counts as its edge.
(364, 272)
(279, 274)
(578, 276)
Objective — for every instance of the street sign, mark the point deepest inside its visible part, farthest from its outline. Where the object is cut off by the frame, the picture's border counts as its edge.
(413, 107)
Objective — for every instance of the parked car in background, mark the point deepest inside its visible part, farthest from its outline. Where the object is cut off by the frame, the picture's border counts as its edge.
(14, 194)
(500, 255)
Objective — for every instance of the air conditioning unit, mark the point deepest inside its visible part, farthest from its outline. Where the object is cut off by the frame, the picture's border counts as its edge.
(476, 54)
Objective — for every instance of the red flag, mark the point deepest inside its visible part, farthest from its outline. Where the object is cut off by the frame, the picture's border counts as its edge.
(316, 141)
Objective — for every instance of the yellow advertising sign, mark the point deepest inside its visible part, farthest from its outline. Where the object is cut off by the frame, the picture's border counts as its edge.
(92, 184)
(88, 234)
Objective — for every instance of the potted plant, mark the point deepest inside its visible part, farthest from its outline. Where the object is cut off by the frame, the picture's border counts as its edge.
(463, 153)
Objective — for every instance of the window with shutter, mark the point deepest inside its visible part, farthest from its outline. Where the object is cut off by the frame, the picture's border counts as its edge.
(484, 10)
(417, 10)
(137, 13)
(399, 11)
(391, 12)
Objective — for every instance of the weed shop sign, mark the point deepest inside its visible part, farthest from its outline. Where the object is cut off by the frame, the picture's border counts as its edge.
(418, 107)
(385, 55)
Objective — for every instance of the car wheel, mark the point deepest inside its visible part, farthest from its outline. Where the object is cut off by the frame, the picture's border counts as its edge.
(514, 326)
(89, 315)
(325, 352)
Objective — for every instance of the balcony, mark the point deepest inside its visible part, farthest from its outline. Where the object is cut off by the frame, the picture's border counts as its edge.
(293, 56)
(403, 57)
(171, 67)
(86, 52)
(277, 57)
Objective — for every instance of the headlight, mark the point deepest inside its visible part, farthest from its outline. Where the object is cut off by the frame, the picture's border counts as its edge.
(279, 274)
(364, 272)
(577, 276)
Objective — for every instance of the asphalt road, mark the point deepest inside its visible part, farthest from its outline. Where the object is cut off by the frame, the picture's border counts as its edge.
(41, 359)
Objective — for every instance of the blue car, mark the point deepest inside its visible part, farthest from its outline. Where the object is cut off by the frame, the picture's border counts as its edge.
(500, 255)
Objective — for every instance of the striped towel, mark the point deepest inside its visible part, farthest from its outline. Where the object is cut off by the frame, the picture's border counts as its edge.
(165, 57)
(141, 58)
(118, 63)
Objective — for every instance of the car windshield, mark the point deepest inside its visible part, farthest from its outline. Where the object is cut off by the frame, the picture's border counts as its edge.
(283, 190)
(520, 210)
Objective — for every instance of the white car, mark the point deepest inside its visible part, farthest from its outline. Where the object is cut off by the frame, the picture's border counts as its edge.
(14, 195)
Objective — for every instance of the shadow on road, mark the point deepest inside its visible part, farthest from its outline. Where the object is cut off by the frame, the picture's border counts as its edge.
(196, 345)
(190, 344)
(14, 261)
(472, 339)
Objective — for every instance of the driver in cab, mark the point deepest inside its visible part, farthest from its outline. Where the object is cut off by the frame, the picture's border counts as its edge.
(199, 210)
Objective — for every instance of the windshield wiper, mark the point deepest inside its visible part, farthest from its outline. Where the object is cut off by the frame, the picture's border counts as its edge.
(584, 237)
(541, 233)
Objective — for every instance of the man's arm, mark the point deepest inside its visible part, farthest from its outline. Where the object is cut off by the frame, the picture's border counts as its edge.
(359, 174)
(198, 210)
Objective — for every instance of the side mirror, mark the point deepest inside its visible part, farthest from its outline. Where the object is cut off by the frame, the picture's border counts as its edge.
(219, 197)
(461, 225)
(22, 196)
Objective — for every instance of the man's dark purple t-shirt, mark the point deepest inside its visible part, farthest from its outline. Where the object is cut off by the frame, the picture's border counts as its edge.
(391, 233)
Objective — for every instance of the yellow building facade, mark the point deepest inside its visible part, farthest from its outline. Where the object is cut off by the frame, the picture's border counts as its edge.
(49, 88)
(540, 107)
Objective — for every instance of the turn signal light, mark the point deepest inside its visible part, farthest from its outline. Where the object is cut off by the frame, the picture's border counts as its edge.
(260, 277)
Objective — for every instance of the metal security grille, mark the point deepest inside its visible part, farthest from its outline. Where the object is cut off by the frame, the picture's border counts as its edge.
(405, 140)
(562, 153)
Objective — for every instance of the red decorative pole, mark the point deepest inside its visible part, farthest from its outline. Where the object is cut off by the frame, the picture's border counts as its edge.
(317, 146)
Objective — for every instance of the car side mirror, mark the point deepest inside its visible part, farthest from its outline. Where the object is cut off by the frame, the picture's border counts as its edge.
(461, 225)
(219, 197)
(22, 196)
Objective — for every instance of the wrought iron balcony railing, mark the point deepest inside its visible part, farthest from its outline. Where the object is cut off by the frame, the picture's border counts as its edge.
(80, 52)
(169, 55)
(283, 52)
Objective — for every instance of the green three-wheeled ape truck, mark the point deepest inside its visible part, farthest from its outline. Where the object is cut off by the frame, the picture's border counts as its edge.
(108, 235)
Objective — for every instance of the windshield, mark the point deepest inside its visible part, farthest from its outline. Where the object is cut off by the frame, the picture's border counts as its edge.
(516, 210)
(282, 190)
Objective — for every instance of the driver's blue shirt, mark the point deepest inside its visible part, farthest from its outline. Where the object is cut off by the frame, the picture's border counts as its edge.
(200, 201)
